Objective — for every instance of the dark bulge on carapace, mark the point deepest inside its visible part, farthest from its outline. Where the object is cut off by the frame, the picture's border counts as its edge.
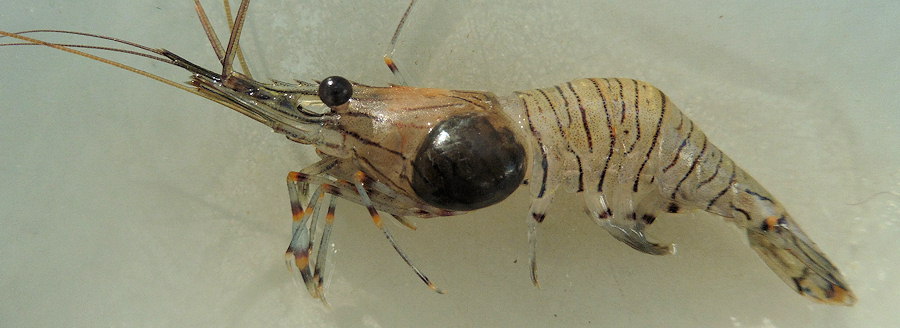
(466, 163)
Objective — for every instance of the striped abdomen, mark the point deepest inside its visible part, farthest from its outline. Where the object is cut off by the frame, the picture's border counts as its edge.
(619, 136)
(633, 155)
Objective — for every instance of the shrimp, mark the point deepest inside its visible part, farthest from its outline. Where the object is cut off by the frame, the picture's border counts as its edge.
(620, 144)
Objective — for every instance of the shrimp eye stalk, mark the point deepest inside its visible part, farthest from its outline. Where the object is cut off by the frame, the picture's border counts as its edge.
(335, 91)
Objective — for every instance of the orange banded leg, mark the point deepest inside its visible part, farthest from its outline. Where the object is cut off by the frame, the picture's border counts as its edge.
(378, 188)
(306, 222)
(317, 174)
(301, 245)
(324, 243)
(347, 189)
(359, 179)
(298, 251)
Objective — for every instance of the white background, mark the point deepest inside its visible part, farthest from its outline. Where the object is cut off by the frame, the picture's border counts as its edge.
(126, 202)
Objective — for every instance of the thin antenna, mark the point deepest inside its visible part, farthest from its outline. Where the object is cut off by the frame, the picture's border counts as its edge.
(240, 53)
(227, 70)
(104, 60)
(388, 60)
(210, 32)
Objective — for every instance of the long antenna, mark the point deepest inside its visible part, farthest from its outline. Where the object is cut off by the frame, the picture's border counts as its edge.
(388, 60)
(104, 60)
(227, 68)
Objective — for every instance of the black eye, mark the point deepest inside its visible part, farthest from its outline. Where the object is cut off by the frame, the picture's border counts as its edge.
(335, 91)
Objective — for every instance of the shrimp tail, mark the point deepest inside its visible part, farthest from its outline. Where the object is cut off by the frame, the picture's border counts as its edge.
(697, 175)
(782, 244)
(796, 259)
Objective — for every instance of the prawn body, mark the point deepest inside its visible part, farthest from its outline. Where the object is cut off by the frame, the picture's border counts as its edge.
(621, 144)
